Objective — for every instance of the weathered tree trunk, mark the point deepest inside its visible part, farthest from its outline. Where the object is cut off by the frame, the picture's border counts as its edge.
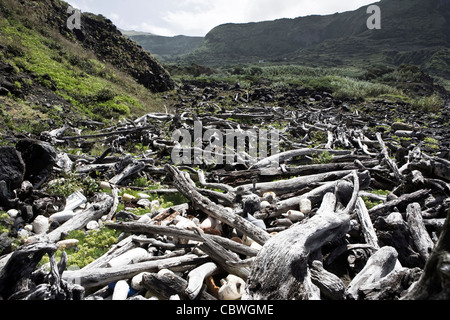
(167, 284)
(331, 287)
(419, 233)
(98, 277)
(280, 271)
(434, 284)
(21, 264)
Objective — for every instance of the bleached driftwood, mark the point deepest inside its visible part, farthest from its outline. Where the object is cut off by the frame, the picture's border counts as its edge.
(187, 188)
(434, 283)
(280, 271)
(419, 233)
(166, 284)
(196, 278)
(331, 287)
(378, 266)
(98, 277)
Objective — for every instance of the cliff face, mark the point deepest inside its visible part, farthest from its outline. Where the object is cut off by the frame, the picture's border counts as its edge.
(102, 37)
(51, 74)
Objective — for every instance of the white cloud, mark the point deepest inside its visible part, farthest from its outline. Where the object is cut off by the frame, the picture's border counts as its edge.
(197, 17)
(200, 16)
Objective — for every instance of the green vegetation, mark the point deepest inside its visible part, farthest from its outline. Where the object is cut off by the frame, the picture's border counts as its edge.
(92, 245)
(322, 158)
(373, 203)
(69, 183)
(431, 143)
(52, 67)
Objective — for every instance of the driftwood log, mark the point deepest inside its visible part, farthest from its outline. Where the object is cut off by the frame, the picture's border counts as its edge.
(281, 271)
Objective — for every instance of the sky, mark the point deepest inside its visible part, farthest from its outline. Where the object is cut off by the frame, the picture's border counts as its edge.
(198, 17)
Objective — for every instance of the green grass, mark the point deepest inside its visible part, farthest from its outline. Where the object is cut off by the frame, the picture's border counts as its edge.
(98, 90)
(92, 245)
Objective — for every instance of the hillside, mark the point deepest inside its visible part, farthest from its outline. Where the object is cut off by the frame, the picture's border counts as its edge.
(50, 75)
(413, 32)
(165, 48)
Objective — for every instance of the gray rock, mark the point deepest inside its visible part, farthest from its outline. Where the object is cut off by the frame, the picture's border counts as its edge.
(40, 225)
(39, 158)
(12, 167)
(92, 225)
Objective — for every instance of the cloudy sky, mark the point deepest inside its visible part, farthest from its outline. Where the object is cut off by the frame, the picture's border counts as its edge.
(197, 17)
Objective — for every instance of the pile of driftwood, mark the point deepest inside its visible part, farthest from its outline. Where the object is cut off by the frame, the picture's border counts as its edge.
(250, 231)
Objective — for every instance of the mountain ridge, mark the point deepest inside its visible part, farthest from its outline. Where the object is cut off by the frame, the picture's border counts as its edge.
(413, 31)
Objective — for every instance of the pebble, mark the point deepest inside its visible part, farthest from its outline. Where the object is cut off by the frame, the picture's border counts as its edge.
(67, 244)
(294, 216)
(40, 225)
(105, 185)
(128, 197)
(121, 290)
(265, 204)
(144, 203)
(92, 225)
(13, 213)
(136, 281)
(305, 206)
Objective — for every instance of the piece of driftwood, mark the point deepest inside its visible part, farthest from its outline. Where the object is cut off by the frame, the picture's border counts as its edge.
(21, 264)
(221, 256)
(182, 183)
(286, 186)
(392, 286)
(401, 203)
(367, 228)
(98, 277)
(378, 266)
(434, 283)
(166, 284)
(419, 233)
(280, 271)
(144, 228)
(331, 287)
(115, 251)
(284, 156)
(387, 158)
(132, 168)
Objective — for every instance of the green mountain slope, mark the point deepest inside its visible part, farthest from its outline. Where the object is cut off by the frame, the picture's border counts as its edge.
(165, 48)
(50, 75)
(413, 31)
